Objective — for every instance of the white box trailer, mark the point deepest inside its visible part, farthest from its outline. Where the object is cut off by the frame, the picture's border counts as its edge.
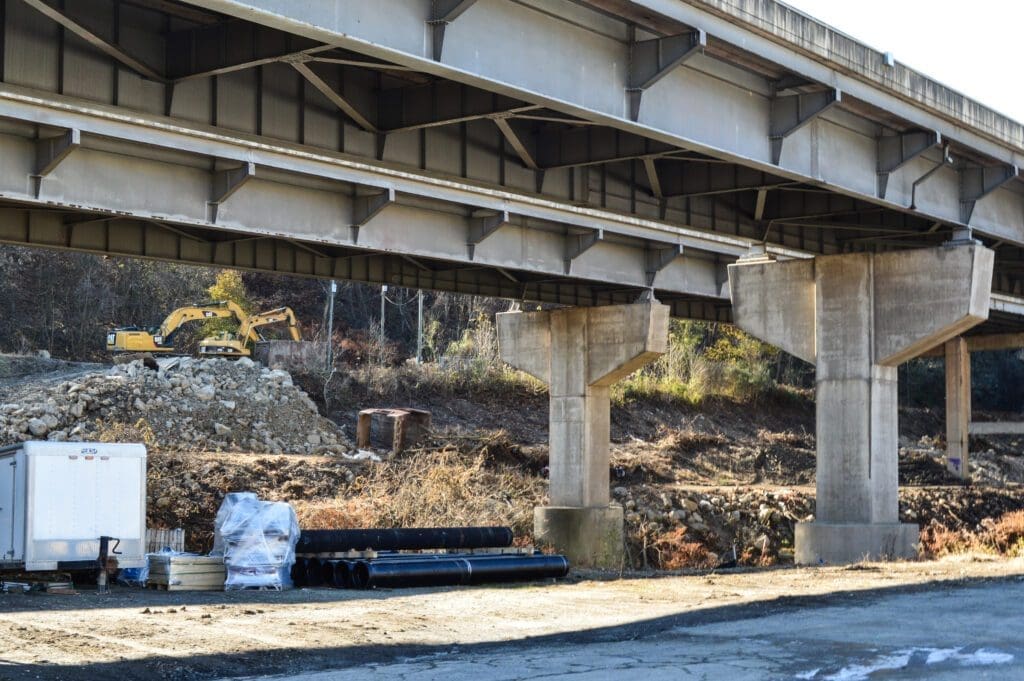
(58, 498)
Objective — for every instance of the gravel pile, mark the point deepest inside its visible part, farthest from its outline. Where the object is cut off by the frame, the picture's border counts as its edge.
(187, 404)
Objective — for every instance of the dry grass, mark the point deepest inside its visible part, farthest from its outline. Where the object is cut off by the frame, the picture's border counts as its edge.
(1006, 535)
(687, 441)
(1003, 536)
(140, 431)
(675, 551)
(938, 541)
(468, 481)
(785, 438)
(344, 514)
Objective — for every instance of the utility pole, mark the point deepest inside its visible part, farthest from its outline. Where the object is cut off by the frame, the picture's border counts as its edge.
(419, 327)
(330, 325)
(383, 298)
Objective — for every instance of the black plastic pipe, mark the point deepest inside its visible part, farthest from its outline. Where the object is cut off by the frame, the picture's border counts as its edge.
(327, 571)
(352, 577)
(370, 574)
(403, 539)
(299, 572)
(314, 572)
(342, 577)
(336, 573)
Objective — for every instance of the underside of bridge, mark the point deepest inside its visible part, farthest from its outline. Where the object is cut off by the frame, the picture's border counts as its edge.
(582, 153)
(234, 141)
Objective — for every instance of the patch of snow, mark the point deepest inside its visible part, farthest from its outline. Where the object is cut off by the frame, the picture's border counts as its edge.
(941, 655)
(900, 659)
(362, 455)
(984, 657)
(862, 672)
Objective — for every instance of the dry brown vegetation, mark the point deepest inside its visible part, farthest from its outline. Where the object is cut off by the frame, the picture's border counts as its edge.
(1003, 536)
(466, 481)
(674, 550)
(463, 481)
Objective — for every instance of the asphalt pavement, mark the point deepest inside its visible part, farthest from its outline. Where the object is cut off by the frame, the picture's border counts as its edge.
(940, 632)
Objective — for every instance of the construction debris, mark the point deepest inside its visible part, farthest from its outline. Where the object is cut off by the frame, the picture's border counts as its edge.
(187, 405)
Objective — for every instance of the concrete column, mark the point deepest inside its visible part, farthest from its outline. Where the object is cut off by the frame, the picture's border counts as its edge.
(580, 353)
(857, 317)
(958, 406)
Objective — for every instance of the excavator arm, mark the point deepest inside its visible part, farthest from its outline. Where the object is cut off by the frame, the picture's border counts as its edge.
(222, 309)
(248, 329)
(240, 344)
(160, 339)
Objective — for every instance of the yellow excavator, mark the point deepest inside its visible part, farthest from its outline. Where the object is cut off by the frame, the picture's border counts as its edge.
(159, 340)
(240, 344)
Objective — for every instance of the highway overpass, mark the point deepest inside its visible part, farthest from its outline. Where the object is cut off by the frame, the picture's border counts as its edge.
(586, 153)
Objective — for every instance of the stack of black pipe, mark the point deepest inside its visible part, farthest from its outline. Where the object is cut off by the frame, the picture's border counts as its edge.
(395, 570)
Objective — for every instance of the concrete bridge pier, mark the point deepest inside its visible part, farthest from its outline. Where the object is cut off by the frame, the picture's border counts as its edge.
(856, 317)
(580, 353)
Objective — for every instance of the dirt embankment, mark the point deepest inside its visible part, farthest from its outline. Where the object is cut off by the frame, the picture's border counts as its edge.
(701, 485)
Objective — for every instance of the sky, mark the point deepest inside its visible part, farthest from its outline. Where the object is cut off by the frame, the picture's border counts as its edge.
(969, 45)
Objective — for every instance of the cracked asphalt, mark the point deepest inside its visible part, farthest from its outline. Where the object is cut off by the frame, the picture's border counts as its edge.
(938, 633)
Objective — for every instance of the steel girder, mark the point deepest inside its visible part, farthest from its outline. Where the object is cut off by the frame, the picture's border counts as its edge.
(703, 105)
(149, 239)
(141, 186)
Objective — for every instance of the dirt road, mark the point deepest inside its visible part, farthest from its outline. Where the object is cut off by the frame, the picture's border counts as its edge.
(134, 634)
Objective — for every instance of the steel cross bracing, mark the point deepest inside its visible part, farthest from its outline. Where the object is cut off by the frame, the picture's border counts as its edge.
(724, 111)
(140, 187)
(573, 152)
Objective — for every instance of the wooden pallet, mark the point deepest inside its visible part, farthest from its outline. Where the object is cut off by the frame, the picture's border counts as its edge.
(183, 587)
(157, 540)
(186, 573)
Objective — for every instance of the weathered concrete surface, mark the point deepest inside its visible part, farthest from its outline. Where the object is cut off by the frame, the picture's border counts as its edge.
(579, 353)
(958, 406)
(838, 543)
(867, 313)
(586, 536)
(792, 27)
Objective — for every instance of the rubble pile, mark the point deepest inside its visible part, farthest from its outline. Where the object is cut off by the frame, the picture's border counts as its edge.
(756, 522)
(759, 523)
(959, 508)
(187, 404)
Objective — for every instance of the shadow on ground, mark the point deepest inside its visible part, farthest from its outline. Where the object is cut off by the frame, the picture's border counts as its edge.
(298, 660)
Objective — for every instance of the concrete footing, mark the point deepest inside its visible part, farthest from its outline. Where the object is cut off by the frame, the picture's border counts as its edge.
(822, 543)
(589, 537)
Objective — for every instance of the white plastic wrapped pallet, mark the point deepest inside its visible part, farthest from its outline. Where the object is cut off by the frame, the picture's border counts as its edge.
(257, 539)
